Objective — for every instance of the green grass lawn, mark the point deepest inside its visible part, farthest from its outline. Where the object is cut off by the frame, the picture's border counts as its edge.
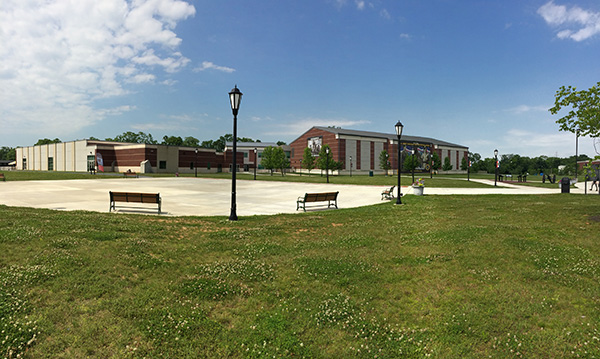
(440, 276)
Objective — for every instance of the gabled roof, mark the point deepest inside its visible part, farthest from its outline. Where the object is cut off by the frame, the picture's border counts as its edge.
(405, 138)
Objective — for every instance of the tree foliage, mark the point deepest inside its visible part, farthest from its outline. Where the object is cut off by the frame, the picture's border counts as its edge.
(584, 115)
(384, 161)
(464, 165)
(219, 144)
(47, 141)
(132, 137)
(8, 153)
(410, 163)
(308, 160)
(437, 162)
(274, 158)
(325, 161)
(447, 164)
(172, 141)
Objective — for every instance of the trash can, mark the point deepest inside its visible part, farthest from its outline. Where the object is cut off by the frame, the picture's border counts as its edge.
(565, 185)
(370, 173)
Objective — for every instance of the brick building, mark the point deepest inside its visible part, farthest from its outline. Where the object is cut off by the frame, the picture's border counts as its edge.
(361, 149)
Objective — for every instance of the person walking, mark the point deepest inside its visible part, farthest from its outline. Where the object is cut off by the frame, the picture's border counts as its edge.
(596, 179)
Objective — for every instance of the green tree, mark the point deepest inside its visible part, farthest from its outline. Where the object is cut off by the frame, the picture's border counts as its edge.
(410, 164)
(325, 161)
(132, 137)
(219, 144)
(437, 162)
(274, 158)
(464, 164)
(584, 115)
(308, 160)
(172, 141)
(190, 142)
(447, 165)
(8, 153)
(384, 161)
(47, 141)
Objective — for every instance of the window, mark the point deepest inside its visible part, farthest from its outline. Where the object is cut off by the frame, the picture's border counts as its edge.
(50, 163)
(162, 165)
(191, 165)
(245, 154)
(24, 163)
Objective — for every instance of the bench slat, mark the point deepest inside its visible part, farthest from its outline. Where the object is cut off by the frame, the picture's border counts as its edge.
(135, 197)
(328, 197)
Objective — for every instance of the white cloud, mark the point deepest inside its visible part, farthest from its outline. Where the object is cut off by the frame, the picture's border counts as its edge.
(530, 143)
(526, 108)
(60, 56)
(297, 127)
(575, 23)
(207, 65)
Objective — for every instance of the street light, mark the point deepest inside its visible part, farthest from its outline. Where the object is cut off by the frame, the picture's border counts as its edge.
(576, 152)
(327, 162)
(350, 166)
(496, 172)
(399, 128)
(235, 97)
(413, 164)
(196, 164)
(255, 161)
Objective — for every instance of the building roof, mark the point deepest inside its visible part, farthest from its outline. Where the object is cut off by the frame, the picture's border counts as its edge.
(389, 136)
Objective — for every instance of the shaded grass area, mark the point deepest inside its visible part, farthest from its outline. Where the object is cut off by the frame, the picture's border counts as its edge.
(440, 276)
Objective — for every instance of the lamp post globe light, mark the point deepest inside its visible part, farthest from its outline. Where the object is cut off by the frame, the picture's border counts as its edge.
(235, 97)
(399, 128)
(327, 162)
(255, 161)
(350, 166)
(496, 171)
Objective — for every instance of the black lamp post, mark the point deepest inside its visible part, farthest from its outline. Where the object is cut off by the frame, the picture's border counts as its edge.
(327, 162)
(350, 166)
(413, 164)
(399, 128)
(196, 164)
(255, 161)
(576, 152)
(235, 97)
(496, 172)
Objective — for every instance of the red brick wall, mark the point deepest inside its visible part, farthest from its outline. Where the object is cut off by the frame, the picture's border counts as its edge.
(301, 143)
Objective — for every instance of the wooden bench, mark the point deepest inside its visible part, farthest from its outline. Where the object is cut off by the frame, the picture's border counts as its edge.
(329, 197)
(130, 197)
(130, 174)
(388, 193)
(2, 177)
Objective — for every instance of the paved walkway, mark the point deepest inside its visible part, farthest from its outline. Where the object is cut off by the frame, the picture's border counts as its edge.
(212, 197)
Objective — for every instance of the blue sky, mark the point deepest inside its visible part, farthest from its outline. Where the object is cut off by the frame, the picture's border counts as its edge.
(478, 73)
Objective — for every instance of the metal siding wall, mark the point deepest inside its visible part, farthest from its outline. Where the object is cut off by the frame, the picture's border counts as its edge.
(365, 155)
(350, 151)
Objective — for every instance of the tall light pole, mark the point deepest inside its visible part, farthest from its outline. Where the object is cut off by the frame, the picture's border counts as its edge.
(255, 161)
(350, 166)
(235, 97)
(496, 171)
(399, 128)
(413, 164)
(327, 162)
(576, 152)
(196, 164)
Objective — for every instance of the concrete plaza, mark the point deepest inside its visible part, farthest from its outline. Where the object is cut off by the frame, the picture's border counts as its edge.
(188, 196)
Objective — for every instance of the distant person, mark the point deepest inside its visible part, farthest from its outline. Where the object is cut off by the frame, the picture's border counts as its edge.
(595, 182)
